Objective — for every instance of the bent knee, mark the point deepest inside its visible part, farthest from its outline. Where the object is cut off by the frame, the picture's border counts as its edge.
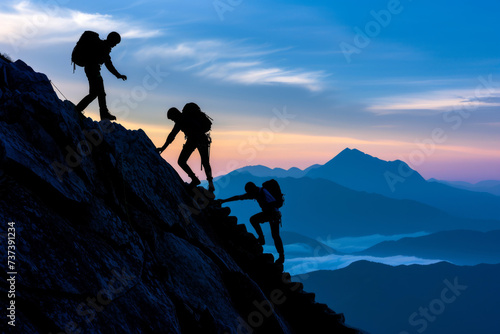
(254, 220)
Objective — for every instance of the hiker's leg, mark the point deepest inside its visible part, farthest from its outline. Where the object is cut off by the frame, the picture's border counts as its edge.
(98, 90)
(93, 75)
(256, 220)
(101, 95)
(275, 232)
(186, 152)
(203, 149)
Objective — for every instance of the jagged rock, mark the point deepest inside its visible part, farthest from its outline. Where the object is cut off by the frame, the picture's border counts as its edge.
(108, 240)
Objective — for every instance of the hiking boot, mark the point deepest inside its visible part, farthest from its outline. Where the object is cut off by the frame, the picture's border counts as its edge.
(211, 187)
(78, 110)
(106, 115)
(281, 259)
(194, 182)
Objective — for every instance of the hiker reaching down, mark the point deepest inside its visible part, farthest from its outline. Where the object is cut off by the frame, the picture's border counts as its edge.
(270, 213)
(195, 124)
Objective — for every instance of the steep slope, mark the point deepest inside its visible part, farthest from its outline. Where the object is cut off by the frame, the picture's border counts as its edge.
(107, 239)
(360, 171)
(435, 299)
(458, 247)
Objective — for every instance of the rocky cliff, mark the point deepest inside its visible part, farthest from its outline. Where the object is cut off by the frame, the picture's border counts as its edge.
(105, 238)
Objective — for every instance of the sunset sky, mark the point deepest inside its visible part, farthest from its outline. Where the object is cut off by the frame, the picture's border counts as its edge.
(289, 83)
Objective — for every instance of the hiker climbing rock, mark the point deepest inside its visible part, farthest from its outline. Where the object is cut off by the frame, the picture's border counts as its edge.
(195, 124)
(270, 199)
(91, 52)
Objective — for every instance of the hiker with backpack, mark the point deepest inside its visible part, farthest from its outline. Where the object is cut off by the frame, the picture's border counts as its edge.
(91, 52)
(270, 199)
(195, 124)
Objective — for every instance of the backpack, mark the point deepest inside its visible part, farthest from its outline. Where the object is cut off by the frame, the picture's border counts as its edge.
(274, 189)
(86, 49)
(197, 120)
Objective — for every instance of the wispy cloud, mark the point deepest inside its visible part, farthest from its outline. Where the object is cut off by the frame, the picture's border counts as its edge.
(29, 25)
(234, 62)
(434, 101)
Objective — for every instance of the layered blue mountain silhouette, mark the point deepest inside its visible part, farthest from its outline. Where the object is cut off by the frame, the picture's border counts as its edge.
(356, 170)
(458, 247)
(434, 299)
(358, 196)
(487, 186)
(322, 208)
(359, 171)
(263, 171)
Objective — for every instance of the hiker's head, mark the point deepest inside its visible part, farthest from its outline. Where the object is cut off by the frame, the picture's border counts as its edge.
(191, 106)
(251, 188)
(113, 38)
(173, 114)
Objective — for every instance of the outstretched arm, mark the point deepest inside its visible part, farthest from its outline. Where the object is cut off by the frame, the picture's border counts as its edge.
(170, 138)
(235, 198)
(112, 69)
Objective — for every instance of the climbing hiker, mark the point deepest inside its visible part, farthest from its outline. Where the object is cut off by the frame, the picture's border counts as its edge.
(91, 52)
(270, 213)
(195, 124)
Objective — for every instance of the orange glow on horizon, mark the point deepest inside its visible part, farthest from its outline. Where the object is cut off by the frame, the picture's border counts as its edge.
(235, 149)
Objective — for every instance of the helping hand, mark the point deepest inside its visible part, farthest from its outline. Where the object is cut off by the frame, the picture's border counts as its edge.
(123, 77)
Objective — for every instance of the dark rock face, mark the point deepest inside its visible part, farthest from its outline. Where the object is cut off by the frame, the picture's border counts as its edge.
(108, 240)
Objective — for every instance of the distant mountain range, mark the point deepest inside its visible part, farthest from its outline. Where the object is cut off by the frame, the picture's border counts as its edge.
(322, 208)
(458, 247)
(433, 299)
(488, 186)
(356, 170)
(263, 171)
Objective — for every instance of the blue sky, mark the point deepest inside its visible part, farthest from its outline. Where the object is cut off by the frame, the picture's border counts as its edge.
(412, 80)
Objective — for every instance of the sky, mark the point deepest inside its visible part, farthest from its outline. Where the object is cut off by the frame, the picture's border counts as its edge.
(289, 83)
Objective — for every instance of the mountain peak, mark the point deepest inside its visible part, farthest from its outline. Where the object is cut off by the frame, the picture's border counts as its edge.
(352, 155)
(357, 170)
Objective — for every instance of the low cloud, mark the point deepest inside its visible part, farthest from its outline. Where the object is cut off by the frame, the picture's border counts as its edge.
(298, 266)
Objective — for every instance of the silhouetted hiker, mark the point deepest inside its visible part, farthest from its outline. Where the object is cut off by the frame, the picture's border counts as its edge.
(195, 124)
(91, 52)
(270, 213)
